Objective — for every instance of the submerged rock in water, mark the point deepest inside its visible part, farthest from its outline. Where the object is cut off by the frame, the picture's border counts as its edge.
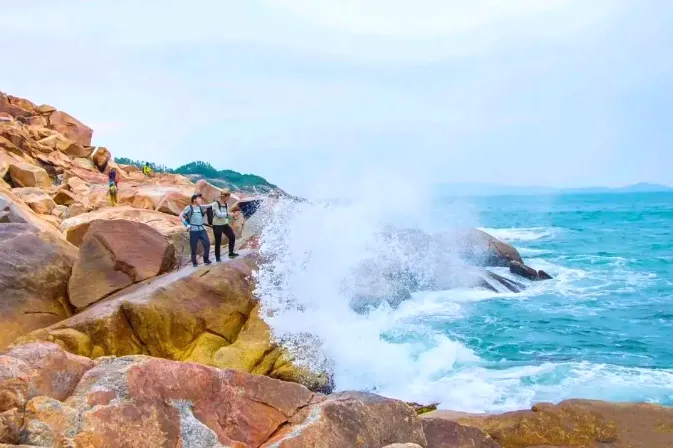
(528, 272)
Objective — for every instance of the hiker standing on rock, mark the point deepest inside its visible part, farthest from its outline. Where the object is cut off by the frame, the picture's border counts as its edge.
(112, 186)
(193, 218)
(147, 171)
(221, 225)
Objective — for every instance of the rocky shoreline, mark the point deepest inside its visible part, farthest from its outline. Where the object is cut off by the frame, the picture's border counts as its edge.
(108, 340)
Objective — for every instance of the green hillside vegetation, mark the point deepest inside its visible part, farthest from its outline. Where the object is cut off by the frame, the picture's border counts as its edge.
(203, 170)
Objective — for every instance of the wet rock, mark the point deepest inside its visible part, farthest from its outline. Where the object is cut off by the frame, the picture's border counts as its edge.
(114, 255)
(528, 272)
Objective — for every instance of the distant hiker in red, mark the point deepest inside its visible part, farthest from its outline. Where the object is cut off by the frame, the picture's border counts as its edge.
(112, 186)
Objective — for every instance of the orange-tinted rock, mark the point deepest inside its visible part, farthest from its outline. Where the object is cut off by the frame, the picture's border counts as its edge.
(173, 202)
(445, 433)
(71, 128)
(77, 185)
(25, 175)
(580, 423)
(351, 419)
(36, 199)
(10, 426)
(13, 210)
(101, 158)
(64, 197)
(36, 369)
(209, 192)
(179, 404)
(33, 278)
(115, 254)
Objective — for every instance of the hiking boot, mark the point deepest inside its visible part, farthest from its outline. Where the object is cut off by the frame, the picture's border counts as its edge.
(233, 255)
(195, 264)
(208, 262)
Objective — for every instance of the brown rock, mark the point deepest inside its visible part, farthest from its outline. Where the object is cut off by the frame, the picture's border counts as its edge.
(79, 151)
(482, 249)
(580, 423)
(6, 160)
(38, 369)
(11, 148)
(36, 199)
(77, 185)
(10, 425)
(64, 197)
(101, 158)
(522, 270)
(174, 202)
(14, 210)
(171, 227)
(444, 433)
(115, 254)
(61, 212)
(403, 445)
(209, 192)
(71, 128)
(179, 404)
(76, 209)
(351, 419)
(25, 175)
(33, 279)
(542, 275)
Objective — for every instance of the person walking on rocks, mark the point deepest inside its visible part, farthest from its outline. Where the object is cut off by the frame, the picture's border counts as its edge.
(112, 186)
(221, 220)
(193, 218)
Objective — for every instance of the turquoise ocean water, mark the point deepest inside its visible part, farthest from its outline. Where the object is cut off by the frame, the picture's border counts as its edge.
(604, 327)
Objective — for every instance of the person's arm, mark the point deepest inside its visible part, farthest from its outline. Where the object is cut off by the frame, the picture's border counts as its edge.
(219, 212)
(183, 216)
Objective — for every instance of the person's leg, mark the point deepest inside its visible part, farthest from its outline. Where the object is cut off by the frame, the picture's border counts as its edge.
(193, 245)
(229, 232)
(203, 235)
(217, 230)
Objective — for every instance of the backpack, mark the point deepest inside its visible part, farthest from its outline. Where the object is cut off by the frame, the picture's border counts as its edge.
(190, 213)
(210, 210)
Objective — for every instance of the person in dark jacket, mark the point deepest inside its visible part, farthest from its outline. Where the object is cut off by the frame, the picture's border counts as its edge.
(193, 218)
(112, 186)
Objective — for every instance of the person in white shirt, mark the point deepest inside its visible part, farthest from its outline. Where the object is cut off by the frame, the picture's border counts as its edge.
(221, 224)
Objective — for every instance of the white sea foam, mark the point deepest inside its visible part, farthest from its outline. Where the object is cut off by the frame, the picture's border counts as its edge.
(318, 255)
(521, 234)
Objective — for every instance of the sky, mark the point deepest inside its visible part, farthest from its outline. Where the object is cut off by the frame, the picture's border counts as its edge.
(317, 95)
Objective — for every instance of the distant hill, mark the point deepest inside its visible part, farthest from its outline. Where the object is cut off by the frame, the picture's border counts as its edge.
(503, 190)
(233, 180)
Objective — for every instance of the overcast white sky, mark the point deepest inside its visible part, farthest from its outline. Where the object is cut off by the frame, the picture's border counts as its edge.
(316, 94)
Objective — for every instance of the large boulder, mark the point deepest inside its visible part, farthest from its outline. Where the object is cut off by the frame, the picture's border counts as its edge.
(38, 369)
(71, 128)
(116, 254)
(445, 433)
(34, 273)
(202, 315)
(580, 423)
(480, 248)
(174, 202)
(36, 199)
(178, 404)
(351, 419)
(26, 175)
(14, 210)
(171, 227)
(101, 158)
(64, 197)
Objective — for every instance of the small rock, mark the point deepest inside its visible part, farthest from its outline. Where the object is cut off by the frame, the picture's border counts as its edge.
(522, 270)
(542, 275)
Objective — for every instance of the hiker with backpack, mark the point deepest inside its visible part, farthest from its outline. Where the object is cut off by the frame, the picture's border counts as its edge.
(112, 186)
(221, 224)
(194, 218)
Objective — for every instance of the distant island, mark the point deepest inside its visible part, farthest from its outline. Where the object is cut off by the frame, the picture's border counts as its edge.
(233, 180)
(474, 189)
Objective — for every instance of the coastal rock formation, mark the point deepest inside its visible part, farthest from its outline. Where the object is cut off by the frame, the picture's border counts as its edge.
(576, 423)
(114, 255)
(522, 270)
(34, 272)
(200, 315)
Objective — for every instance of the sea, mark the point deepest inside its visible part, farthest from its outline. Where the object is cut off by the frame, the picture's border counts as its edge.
(601, 329)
